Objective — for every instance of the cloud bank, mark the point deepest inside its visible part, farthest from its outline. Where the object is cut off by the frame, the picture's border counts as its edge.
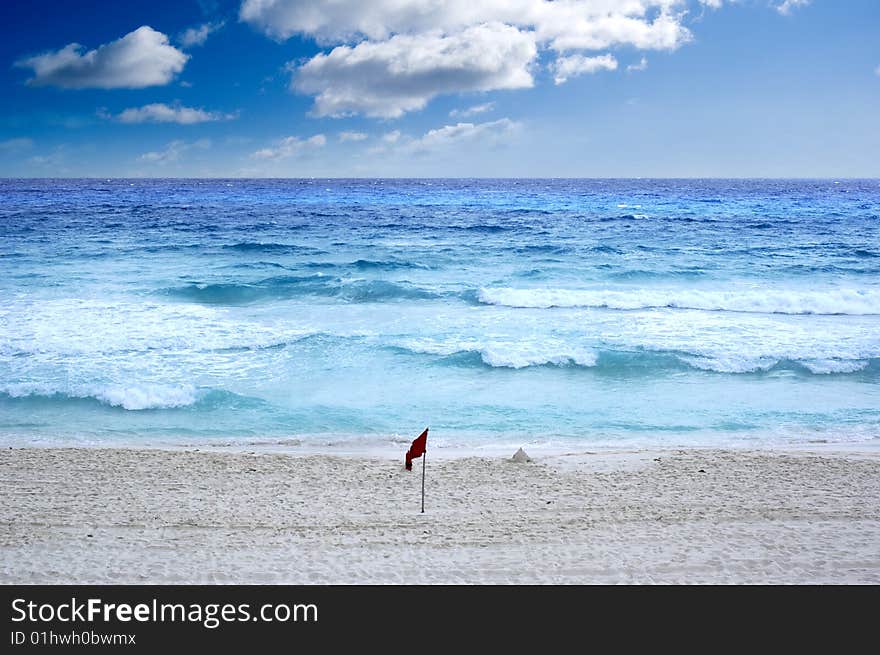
(642, 65)
(196, 36)
(173, 151)
(566, 67)
(158, 112)
(472, 111)
(139, 59)
(352, 136)
(389, 78)
(786, 7)
(564, 24)
(390, 57)
(492, 133)
(290, 146)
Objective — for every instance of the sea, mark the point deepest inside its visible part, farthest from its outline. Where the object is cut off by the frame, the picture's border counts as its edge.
(345, 315)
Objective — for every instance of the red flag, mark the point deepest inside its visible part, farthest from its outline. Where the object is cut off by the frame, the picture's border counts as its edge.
(418, 448)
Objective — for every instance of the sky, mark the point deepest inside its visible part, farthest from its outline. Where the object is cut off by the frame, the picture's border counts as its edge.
(440, 88)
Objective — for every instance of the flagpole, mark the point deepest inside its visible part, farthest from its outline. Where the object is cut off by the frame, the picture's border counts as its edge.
(424, 458)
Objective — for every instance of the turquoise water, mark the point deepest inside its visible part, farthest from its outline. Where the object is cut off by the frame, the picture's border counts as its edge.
(499, 312)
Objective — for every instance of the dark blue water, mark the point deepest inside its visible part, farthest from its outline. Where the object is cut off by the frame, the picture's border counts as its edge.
(498, 312)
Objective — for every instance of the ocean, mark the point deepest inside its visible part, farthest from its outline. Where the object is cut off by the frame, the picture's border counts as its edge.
(351, 314)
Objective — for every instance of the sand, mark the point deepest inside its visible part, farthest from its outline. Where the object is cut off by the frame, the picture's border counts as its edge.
(698, 516)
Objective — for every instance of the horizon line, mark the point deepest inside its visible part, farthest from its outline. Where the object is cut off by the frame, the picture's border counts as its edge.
(318, 177)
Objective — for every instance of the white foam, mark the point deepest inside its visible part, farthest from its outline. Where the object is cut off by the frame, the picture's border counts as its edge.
(509, 354)
(731, 363)
(827, 366)
(150, 396)
(76, 327)
(830, 300)
(521, 356)
(131, 397)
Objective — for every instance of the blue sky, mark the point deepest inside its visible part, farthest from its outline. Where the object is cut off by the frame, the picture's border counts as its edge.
(572, 88)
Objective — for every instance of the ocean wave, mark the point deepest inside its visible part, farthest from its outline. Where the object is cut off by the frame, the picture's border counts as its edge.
(256, 266)
(747, 364)
(482, 228)
(507, 354)
(294, 286)
(527, 211)
(129, 397)
(142, 397)
(506, 357)
(89, 332)
(830, 301)
(607, 249)
(831, 366)
(541, 249)
(219, 294)
(640, 274)
(386, 265)
(280, 343)
(381, 290)
(519, 355)
(271, 247)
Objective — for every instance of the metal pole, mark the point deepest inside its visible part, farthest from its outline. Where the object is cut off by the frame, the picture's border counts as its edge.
(424, 459)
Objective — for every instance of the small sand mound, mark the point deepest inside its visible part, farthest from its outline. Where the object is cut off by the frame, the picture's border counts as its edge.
(520, 457)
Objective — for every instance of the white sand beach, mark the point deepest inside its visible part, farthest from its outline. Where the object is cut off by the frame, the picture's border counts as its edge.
(697, 516)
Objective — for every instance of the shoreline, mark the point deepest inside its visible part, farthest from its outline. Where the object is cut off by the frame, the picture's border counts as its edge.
(683, 515)
(394, 450)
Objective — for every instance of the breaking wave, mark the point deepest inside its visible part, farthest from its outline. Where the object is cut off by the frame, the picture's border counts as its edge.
(130, 397)
(771, 301)
(294, 286)
(519, 355)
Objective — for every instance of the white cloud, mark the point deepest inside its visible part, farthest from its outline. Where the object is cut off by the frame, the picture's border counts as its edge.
(461, 135)
(642, 65)
(472, 111)
(291, 146)
(787, 5)
(173, 151)
(394, 56)
(140, 59)
(352, 136)
(600, 24)
(491, 133)
(574, 65)
(563, 23)
(402, 74)
(198, 35)
(14, 145)
(341, 20)
(162, 113)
